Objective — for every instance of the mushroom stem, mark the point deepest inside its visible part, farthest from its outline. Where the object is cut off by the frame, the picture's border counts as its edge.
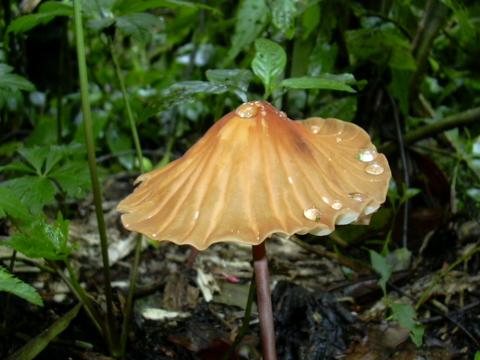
(264, 301)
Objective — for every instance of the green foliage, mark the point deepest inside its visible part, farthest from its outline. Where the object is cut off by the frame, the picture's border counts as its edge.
(10, 284)
(269, 63)
(325, 82)
(40, 239)
(11, 84)
(251, 19)
(11, 205)
(47, 11)
(283, 16)
(45, 171)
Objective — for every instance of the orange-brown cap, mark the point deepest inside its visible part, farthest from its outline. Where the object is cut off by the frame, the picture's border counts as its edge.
(255, 173)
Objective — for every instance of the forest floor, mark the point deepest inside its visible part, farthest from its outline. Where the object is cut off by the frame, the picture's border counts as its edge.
(322, 309)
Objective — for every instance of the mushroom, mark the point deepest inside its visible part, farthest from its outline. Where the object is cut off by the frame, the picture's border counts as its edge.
(255, 173)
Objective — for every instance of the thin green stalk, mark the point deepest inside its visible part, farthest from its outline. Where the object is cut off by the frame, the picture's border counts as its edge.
(81, 295)
(246, 320)
(97, 195)
(138, 241)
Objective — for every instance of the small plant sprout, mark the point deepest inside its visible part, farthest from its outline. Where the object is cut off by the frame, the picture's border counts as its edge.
(255, 173)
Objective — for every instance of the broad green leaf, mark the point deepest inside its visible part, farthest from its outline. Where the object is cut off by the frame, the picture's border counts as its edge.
(237, 80)
(251, 19)
(310, 20)
(42, 240)
(187, 88)
(139, 25)
(320, 82)
(382, 267)
(269, 62)
(128, 7)
(34, 191)
(18, 166)
(46, 13)
(11, 205)
(477, 355)
(73, 177)
(11, 284)
(36, 345)
(283, 16)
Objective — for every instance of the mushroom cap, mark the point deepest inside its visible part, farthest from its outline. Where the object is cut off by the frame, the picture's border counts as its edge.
(257, 172)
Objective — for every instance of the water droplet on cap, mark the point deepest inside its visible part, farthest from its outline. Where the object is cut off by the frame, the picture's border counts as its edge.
(370, 209)
(346, 218)
(312, 214)
(367, 155)
(338, 139)
(374, 169)
(282, 114)
(290, 180)
(357, 197)
(196, 215)
(336, 205)
(315, 129)
(247, 110)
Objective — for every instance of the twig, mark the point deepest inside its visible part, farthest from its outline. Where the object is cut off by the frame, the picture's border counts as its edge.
(467, 117)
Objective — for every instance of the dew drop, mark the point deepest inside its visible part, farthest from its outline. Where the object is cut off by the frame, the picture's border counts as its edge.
(263, 113)
(357, 197)
(290, 180)
(282, 114)
(196, 215)
(346, 218)
(336, 205)
(326, 200)
(374, 169)
(338, 139)
(312, 214)
(315, 129)
(247, 110)
(370, 209)
(367, 155)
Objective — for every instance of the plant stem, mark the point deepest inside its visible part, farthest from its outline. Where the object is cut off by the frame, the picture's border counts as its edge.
(97, 195)
(246, 320)
(264, 301)
(138, 241)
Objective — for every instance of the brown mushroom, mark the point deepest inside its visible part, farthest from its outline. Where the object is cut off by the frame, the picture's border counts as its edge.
(255, 173)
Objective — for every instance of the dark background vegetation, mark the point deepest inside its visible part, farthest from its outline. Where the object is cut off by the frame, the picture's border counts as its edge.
(407, 71)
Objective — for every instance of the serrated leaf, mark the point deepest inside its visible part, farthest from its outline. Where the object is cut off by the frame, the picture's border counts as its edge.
(35, 156)
(46, 13)
(283, 16)
(11, 205)
(319, 82)
(34, 191)
(382, 267)
(11, 284)
(42, 240)
(251, 19)
(73, 177)
(35, 346)
(269, 62)
(138, 25)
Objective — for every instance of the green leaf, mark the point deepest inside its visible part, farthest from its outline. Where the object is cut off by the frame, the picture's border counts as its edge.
(35, 156)
(36, 345)
(139, 25)
(382, 267)
(406, 316)
(46, 13)
(269, 62)
(42, 240)
(283, 16)
(236, 80)
(34, 191)
(11, 284)
(187, 88)
(477, 355)
(11, 205)
(251, 19)
(380, 46)
(324, 82)
(13, 82)
(128, 7)
(119, 142)
(73, 177)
